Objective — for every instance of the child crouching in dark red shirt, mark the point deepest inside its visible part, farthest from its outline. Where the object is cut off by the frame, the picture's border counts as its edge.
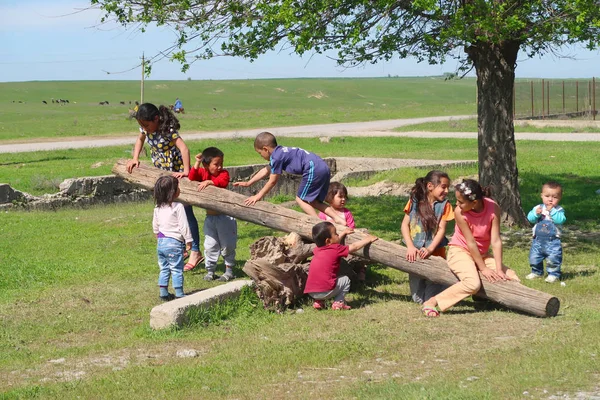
(323, 282)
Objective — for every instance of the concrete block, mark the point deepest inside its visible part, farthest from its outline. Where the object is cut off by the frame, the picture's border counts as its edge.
(175, 312)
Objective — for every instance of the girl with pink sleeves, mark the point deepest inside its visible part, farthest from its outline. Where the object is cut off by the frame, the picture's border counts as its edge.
(337, 195)
(477, 228)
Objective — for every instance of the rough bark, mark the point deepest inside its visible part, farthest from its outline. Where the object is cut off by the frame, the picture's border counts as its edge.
(495, 66)
(278, 268)
(511, 294)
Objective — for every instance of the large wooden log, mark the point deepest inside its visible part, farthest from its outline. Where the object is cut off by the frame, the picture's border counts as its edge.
(510, 294)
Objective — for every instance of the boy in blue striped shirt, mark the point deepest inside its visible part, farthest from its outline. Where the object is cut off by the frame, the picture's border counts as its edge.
(293, 160)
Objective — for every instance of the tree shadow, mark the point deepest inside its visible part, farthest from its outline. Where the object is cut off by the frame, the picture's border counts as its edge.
(565, 276)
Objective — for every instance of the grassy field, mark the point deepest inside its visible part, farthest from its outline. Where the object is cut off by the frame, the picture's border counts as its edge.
(74, 307)
(222, 105)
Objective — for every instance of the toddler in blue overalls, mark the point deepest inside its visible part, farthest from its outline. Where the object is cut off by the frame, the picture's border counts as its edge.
(546, 244)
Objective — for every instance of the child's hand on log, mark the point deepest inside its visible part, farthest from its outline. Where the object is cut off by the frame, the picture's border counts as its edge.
(372, 238)
(411, 253)
(250, 201)
(204, 184)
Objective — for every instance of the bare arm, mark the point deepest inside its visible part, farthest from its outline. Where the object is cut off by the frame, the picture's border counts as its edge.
(185, 155)
(496, 243)
(266, 189)
(411, 250)
(137, 149)
(263, 173)
(362, 243)
(437, 239)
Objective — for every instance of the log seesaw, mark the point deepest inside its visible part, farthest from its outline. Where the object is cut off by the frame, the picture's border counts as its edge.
(509, 294)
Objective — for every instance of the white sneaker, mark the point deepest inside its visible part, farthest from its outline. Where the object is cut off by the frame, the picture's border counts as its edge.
(533, 276)
(551, 279)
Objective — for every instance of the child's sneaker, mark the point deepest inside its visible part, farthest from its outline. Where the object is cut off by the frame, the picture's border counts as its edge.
(166, 298)
(210, 276)
(551, 279)
(532, 276)
(319, 305)
(340, 305)
(226, 277)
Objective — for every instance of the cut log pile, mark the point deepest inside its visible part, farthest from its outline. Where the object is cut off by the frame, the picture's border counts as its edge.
(510, 294)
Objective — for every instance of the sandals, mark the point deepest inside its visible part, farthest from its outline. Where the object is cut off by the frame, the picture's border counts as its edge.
(431, 312)
(189, 266)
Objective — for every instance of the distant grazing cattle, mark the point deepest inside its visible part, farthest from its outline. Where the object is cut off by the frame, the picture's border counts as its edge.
(106, 102)
(44, 101)
(102, 103)
(122, 102)
(214, 109)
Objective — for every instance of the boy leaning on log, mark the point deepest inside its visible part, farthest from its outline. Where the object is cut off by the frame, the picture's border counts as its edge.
(323, 282)
(293, 160)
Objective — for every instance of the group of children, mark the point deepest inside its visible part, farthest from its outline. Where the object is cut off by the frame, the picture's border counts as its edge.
(427, 212)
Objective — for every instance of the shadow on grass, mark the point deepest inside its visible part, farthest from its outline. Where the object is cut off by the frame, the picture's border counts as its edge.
(41, 160)
(578, 274)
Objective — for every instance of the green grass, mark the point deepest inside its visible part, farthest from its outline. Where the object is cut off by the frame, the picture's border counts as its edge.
(470, 125)
(78, 285)
(239, 104)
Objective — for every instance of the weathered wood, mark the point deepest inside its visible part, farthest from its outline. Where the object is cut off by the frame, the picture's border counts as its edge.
(510, 294)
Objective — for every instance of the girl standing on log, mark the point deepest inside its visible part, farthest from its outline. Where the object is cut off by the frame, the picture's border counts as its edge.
(170, 153)
(424, 228)
(477, 228)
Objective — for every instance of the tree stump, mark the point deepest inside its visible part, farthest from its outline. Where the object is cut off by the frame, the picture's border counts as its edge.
(278, 267)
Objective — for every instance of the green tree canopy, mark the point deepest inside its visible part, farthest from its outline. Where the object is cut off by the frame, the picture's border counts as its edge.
(484, 34)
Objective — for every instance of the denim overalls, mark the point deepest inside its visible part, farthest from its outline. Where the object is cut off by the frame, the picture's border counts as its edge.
(546, 245)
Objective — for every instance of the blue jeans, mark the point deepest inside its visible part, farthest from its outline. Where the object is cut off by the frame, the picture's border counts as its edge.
(170, 261)
(548, 248)
(193, 223)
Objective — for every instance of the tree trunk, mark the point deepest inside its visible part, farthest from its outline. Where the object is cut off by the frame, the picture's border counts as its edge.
(511, 294)
(495, 66)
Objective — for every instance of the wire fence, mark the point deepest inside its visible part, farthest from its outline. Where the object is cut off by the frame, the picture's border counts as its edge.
(553, 98)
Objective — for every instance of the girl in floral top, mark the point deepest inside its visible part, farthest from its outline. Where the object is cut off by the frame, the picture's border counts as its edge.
(170, 153)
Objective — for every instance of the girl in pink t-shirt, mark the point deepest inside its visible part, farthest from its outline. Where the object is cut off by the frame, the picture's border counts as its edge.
(477, 228)
(337, 195)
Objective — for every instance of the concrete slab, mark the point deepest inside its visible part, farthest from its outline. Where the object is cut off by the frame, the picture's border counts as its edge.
(175, 312)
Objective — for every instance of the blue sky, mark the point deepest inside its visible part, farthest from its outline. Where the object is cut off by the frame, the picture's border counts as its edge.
(50, 40)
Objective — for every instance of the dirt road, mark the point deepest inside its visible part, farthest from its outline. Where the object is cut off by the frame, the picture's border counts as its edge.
(370, 129)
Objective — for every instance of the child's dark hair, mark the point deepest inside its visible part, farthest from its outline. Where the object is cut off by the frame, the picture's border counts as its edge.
(336, 188)
(553, 185)
(209, 153)
(165, 189)
(321, 232)
(472, 190)
(167, 121)
(265, 139)
(419, 195)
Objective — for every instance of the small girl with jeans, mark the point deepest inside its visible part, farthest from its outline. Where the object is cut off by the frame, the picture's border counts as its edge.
(173, 233)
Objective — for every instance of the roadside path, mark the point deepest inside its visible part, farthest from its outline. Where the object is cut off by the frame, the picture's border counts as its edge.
(367, 129)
